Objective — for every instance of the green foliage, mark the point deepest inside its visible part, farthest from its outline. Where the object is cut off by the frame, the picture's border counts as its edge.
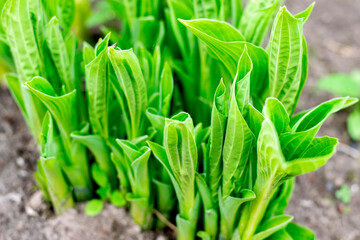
(344, 194)
(345, 85)
(185, 115)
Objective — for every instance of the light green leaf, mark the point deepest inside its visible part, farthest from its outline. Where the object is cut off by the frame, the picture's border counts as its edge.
(285, 58)
(99, 176)
(298, 232)
(205, 9)
(180, 146)
(15, 86)
(60, 191)
(98, 147)
(229, 209)
(238, 138)
(211, 214)
(63, 108)
(117, 199)
(315, 156)
(213, 164)
(276, 112)
(94, 207)
(166, 90)
(280, 235)
(271, 226)
(98, 87)
(308, 124)
(56, 44)
(228, 48)
(306, 13)
(353, 125)
(257, 18)
(88, 53)
(130, 89)
(342, 84)
(20, 34)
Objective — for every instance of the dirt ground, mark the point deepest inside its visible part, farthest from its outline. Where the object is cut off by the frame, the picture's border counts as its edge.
(333, 35)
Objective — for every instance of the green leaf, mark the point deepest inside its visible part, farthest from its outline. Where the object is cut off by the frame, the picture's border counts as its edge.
(285, 58)
(117, 199)
(238, 138)
(342, 84)
(139, 158)
(56, 44)
(315, 156)
(104, 192)
(205, 9)
(180, 146)
(88, 53)
(254, 120)
(306, 13)
(166, 90)
(130, 89)
(271, 226)
(276, 112)
(63, 108)
(280, 235)
(229, 209)
(98, 147)
(280, 199)
(67, 13)
(94, 207)
(15, 86)
(257, 19)
(353, 123)
(160, 154)
(18, 27)
(228, 48)
(60, 191)
(98, 87)
(212, 30)
(211, 214)
(99, 175)
(298, 232)
(306, 126)
(180, 9)
(50, 139)
(213, 164)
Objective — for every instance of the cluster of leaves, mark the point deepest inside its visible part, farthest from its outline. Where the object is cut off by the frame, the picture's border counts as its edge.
(343, 84)
(194, 125)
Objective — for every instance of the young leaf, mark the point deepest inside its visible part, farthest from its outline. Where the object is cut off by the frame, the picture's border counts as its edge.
(180, 146)
(117, 199)
(298, 232)
(257, 18)
(213, 164)
(238, 137)
(94, 207)
(98, 87)
(285, 58)
(56, 44)
(19, 31)
(130, 89)
(352, 125)
(271, 226)
(228, 48)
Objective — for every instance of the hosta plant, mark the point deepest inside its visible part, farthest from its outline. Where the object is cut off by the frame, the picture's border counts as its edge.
(181, 115)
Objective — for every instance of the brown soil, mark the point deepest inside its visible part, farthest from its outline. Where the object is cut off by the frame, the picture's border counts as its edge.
(333, 34)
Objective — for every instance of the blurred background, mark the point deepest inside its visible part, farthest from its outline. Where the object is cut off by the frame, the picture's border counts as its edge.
(327, 201)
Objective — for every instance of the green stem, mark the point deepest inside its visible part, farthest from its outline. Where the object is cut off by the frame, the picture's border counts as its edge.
(254, 212)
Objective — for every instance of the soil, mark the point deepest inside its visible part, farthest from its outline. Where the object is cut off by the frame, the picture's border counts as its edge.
(333, 36)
